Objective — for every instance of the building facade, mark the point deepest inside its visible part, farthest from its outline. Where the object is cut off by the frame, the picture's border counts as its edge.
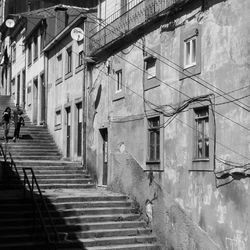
(65, 60)
(168, 116)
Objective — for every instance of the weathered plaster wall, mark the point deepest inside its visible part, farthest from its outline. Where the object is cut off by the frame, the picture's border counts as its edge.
(65, 93)
(189, 212)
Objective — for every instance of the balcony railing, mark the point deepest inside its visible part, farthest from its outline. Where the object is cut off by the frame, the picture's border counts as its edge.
(128, 18)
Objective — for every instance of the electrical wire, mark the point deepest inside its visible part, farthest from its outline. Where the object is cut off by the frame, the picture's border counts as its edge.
(181, 71)
(177, 118)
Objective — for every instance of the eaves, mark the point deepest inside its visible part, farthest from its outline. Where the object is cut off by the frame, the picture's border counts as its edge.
(64, 33)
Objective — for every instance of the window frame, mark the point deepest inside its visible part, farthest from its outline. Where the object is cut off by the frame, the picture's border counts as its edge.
(191, 62)
(154, 164)
(151, 81)
(119, 92)
(187, 34)
(199, 118)
(13, 52)
(147, 62)
(59, 69)
(69, 60)
(58, 121)
(35, 48)
(29, 51)
(119, 78)
(203, 164)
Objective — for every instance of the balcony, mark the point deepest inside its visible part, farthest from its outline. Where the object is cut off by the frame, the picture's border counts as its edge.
(132, 17)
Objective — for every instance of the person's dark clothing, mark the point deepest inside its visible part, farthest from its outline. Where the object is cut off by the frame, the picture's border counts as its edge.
(6, 122)
(17, 118)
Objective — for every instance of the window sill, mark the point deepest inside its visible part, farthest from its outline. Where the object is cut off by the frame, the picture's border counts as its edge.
(58, 127)
(59, 80)
(68, 75)
(118, 96)
(151, 83)
(78, 69)
(202, 165)
(154, 166)
(201, 160)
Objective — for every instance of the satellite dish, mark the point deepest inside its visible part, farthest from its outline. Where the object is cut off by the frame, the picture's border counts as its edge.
(10, 23)
(77, 34)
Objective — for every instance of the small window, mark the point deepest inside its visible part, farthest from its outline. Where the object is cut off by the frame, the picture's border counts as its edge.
(13, 47)
(29, 54)
(202, 133)
(42, 39)
(59, 67)
(80, 58)
(151, 68)
(154, 139)
(58, 119)
(35, 48)
(23, 44)
(190, 52)
(68, 60)
(118, 80)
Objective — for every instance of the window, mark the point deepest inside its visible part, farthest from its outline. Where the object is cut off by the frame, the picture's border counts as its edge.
(202, 133)
(42, 40)
(35, 48)
(80, 58)
(69, 60)
(29, 54)
(154, 139)
(58, 117)
(59, 67)
(190, 52)
(23, 44)
(118, 80)
(13, 47)
(151, 68)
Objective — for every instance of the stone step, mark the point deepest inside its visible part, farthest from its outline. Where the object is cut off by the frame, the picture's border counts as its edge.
(144, 246)
(30, 152)
(97, 198)
(58, 175)
(36, 157)
(15, 185)
(70, 212)
(63, 206)
(25, 245)
(117, 240)
(26, 236)
(71, 220)
(44, 163)
(18, 229)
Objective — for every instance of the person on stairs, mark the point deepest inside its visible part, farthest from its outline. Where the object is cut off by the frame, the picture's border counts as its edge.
(6, 122)
(17, 118)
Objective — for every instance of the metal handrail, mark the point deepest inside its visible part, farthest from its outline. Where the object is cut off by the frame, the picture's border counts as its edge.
(41, 217)
(3, 153)
(13, 164)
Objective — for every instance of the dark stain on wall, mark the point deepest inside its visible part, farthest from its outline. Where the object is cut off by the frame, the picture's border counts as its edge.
(235, 193)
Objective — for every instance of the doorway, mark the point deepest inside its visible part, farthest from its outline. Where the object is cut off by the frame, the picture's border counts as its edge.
(68, 128)
(104, 134)
(79, 129)
(18, 90)
(35, 100)
(24, 88)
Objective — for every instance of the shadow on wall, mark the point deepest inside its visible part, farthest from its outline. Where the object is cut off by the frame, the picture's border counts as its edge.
(18, 216)
(171, 224)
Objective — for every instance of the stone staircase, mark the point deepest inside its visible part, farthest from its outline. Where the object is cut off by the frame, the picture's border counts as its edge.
(85, 217)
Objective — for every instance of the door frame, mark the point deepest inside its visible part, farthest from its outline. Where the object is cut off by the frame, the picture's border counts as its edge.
(104, 135)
